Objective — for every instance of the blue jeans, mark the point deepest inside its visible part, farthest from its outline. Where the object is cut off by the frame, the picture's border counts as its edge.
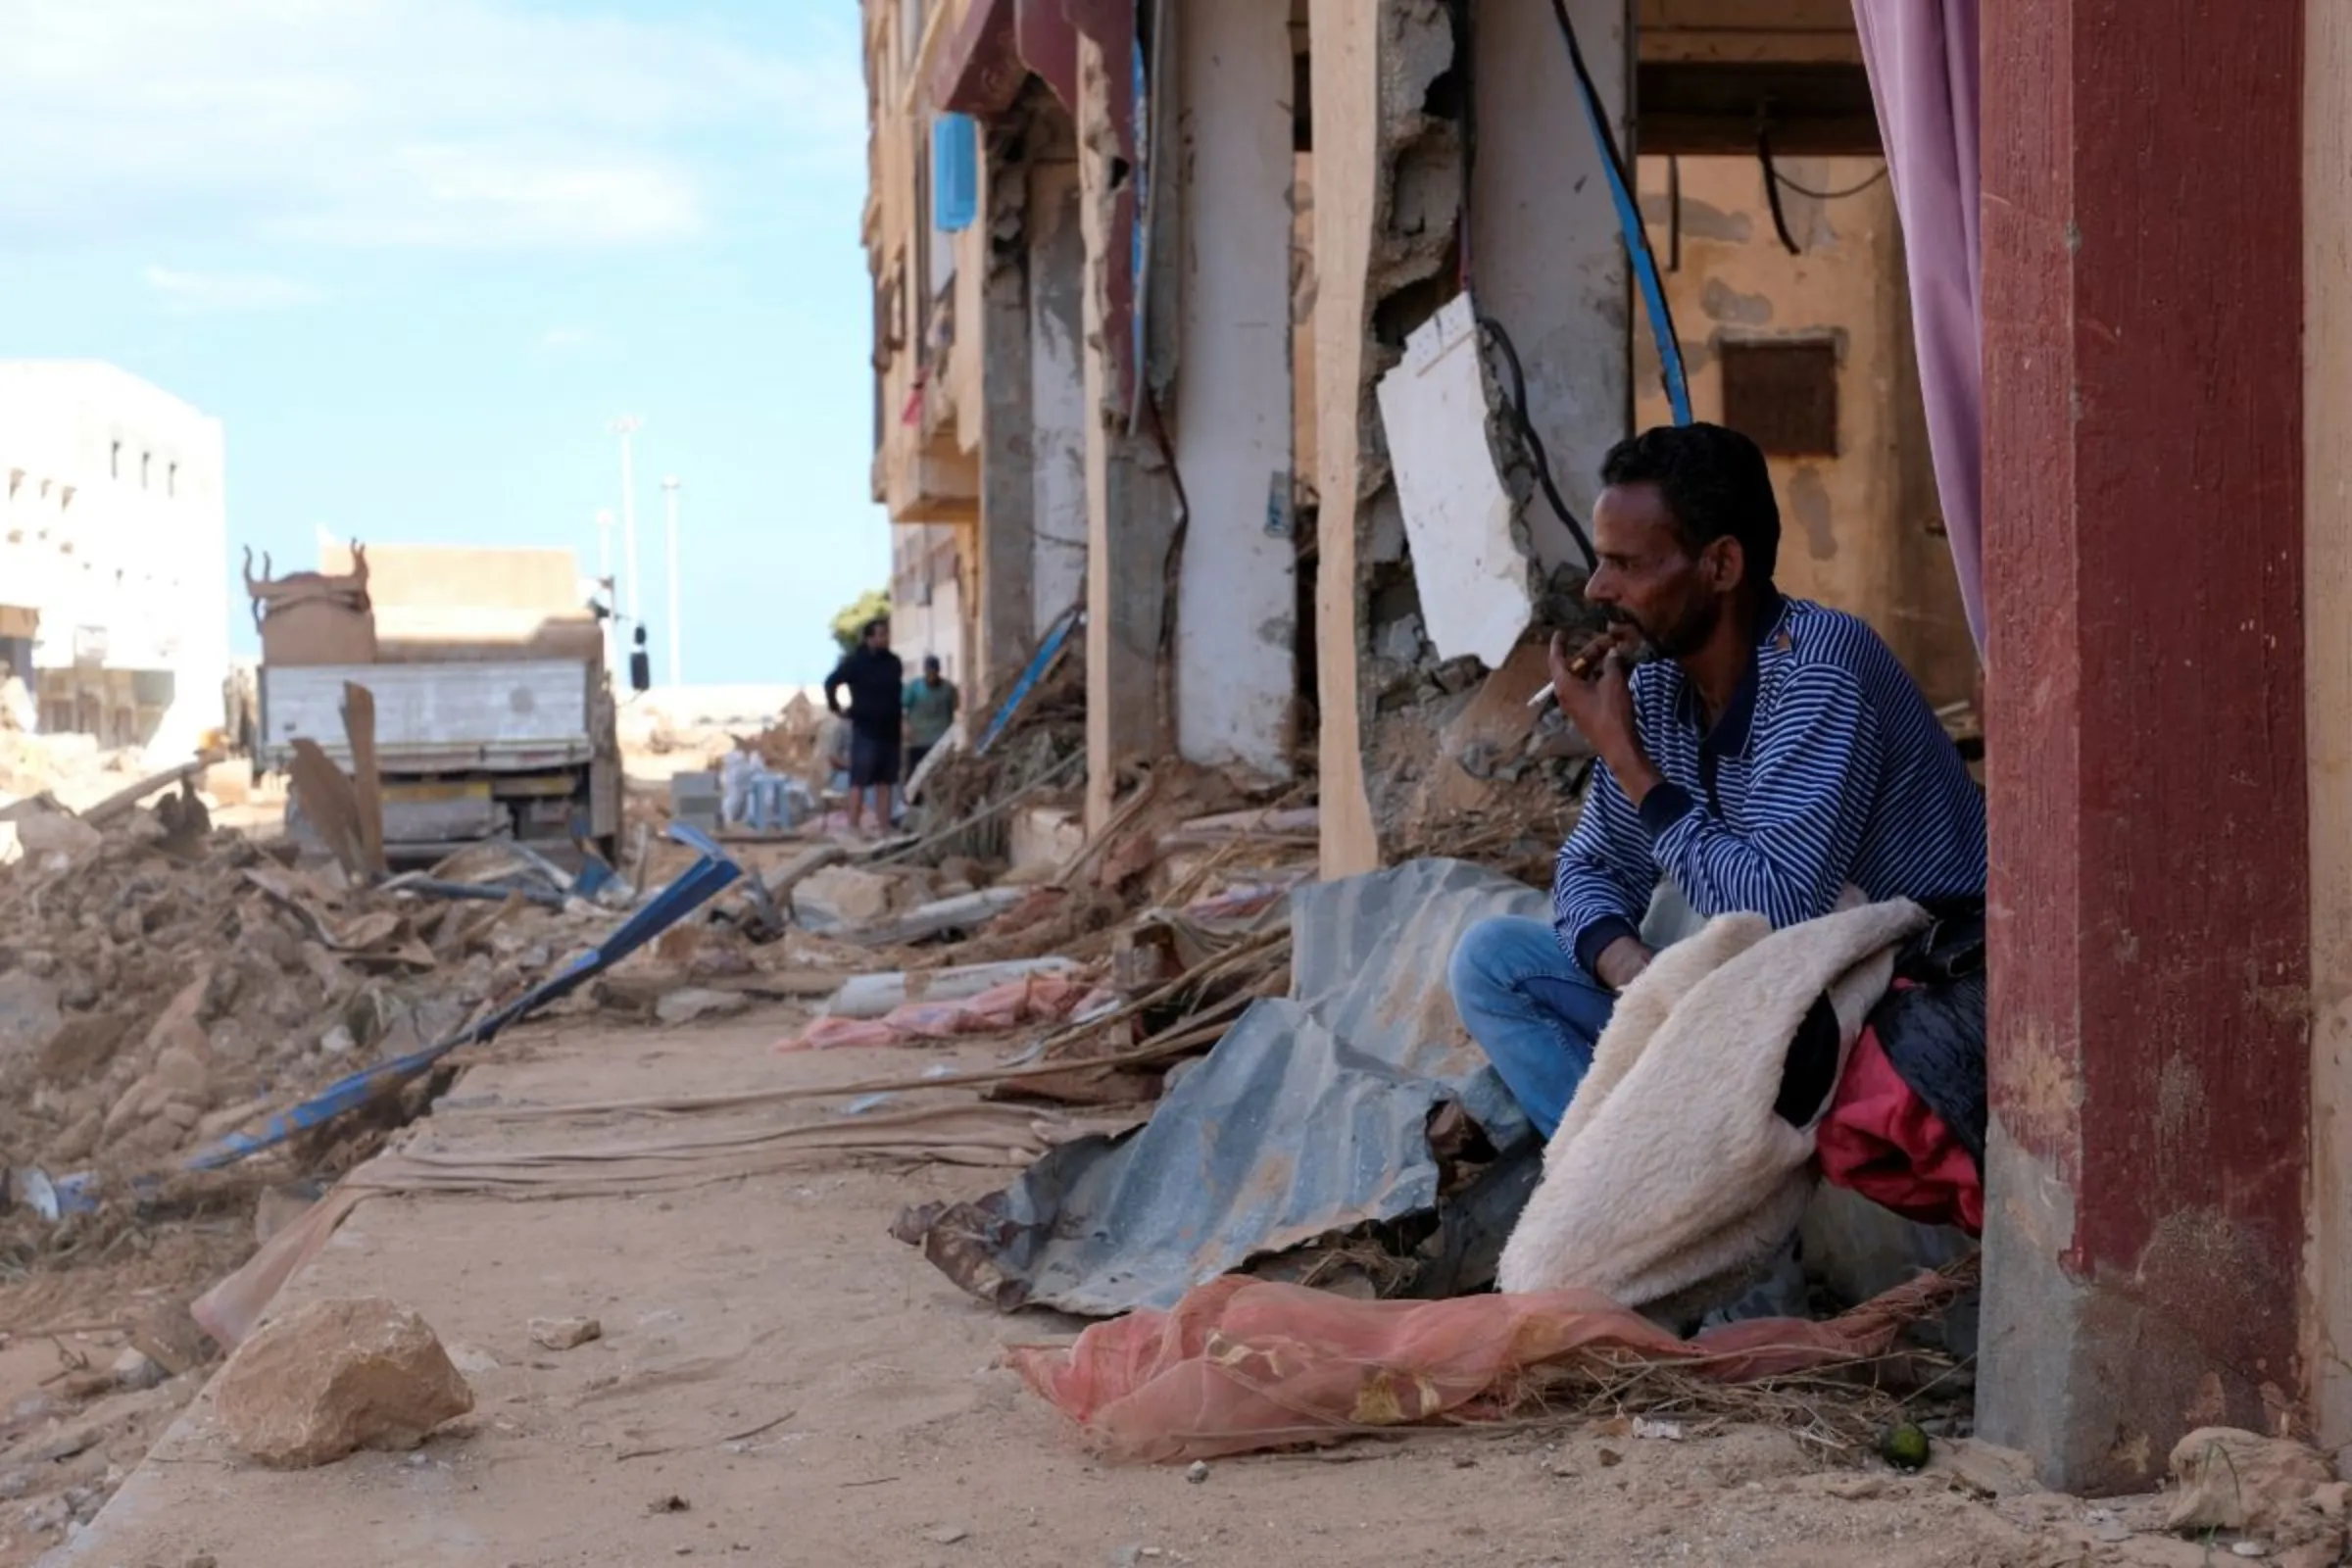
(1532, 1009)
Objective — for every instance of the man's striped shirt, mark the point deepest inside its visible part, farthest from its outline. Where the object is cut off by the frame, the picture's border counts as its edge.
(1827, 767)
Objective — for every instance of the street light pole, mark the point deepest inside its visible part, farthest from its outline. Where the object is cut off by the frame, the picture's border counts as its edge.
(677, 667)
(603, 578)
(626, 427)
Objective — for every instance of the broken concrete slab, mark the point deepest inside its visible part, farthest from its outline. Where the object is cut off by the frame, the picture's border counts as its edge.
(843, 895)
(1476, 569)
(335, 1377)
(695, 1004)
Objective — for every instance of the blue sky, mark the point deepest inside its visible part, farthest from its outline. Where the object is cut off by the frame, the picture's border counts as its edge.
(417, 253)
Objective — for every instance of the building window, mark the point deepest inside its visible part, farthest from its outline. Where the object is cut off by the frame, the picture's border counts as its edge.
(1782, 396)
(114, 463)
(146, 459)
(171, 480)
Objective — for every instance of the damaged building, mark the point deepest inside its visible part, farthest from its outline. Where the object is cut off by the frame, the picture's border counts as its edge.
(1282, 344)
(1133, 345)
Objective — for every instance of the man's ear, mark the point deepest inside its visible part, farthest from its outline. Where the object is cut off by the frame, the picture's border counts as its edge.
(1726, 564)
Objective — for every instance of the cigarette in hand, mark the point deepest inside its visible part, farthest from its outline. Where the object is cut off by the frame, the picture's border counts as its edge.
(1579, 666)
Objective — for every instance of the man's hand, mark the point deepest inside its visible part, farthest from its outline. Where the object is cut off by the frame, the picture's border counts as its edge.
(1599, 702)
(1621, 962)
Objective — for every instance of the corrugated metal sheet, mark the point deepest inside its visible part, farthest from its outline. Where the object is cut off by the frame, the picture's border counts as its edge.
(1310, 1118)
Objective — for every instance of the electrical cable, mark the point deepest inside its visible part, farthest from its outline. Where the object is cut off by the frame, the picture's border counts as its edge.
(1529, 438)
(1830, 195)
(1628, 221)
(1772, 192)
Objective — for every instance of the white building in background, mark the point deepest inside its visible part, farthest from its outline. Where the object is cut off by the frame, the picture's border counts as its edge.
(114, 553)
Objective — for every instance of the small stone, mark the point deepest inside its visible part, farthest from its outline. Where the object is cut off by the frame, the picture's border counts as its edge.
(949, 1534)
(2249, 1548)
(337, 1376)
(337, 1041)
(1199, 1472)
(692, 1005)
(565, 1333)
(135, 1369)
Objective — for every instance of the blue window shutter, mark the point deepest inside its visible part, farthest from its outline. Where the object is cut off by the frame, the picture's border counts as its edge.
(954, 173)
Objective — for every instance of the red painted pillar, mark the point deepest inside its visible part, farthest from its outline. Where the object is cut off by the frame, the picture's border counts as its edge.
(2143, 568)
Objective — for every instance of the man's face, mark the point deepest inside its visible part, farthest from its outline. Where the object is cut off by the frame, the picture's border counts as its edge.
(1648, 577)
(877, 638)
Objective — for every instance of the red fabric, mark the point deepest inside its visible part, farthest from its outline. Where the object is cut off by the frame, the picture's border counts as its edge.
(1881, 1141)
(1242, 1364)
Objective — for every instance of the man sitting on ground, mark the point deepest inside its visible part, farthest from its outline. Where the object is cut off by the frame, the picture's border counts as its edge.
(1758, 753)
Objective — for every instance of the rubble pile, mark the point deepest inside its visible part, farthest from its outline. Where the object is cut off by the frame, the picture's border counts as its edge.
(161, 983)
(1038, 759)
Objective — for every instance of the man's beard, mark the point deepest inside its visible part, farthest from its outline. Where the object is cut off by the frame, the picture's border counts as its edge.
(1687, 636)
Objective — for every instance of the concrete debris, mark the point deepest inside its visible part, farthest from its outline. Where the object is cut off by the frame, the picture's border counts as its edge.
(157, 990)
(2242, 1481)
(693, 1003)
(565, 1333)
(335, 1377)
(841, 896)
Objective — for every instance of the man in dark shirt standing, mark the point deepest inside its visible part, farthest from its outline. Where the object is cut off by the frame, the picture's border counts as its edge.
(876, 681)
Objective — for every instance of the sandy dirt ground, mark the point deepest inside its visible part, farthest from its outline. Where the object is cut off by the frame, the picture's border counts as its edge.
(781, 1383)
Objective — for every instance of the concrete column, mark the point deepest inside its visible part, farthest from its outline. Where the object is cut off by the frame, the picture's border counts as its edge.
(2152, 896)
(1129, 503)
(1007, 554)
(2326, 1349)
(1057, 387)
(1547, 258)
(1237, 621)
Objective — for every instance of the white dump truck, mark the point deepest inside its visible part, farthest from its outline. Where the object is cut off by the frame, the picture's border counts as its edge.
(494, 711)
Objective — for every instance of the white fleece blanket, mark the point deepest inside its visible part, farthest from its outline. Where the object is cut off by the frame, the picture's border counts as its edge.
(1671, 1178)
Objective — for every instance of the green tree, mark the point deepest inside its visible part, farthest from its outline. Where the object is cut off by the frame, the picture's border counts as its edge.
(871, 605)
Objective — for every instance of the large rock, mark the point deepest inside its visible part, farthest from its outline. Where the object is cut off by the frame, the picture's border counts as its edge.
(2239, 1480)
(333, 1377)
(843, 895)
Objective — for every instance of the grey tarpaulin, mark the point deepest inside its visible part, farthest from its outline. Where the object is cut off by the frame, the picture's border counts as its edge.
(1310, 1116)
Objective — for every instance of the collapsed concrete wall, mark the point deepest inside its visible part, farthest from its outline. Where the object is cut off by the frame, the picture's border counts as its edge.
(1451, 149)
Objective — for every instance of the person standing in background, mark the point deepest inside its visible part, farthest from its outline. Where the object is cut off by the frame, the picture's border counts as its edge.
(930, 712)
(875, 678)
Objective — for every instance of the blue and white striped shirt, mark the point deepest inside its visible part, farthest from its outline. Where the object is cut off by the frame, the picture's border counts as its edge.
(1827, 767)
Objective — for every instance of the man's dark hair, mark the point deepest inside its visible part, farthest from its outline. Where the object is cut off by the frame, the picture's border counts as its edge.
(1716, 484)
(878, 623)
(930, 661)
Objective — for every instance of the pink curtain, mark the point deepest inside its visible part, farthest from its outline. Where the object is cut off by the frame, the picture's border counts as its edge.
(1921, 56)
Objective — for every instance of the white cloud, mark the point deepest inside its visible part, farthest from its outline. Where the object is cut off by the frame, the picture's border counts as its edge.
(474, 124)
(565, 339)
(206, 293)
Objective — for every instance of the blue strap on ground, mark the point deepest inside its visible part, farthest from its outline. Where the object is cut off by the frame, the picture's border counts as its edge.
(1629, 220)
(1039, 662)
(701, 882)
